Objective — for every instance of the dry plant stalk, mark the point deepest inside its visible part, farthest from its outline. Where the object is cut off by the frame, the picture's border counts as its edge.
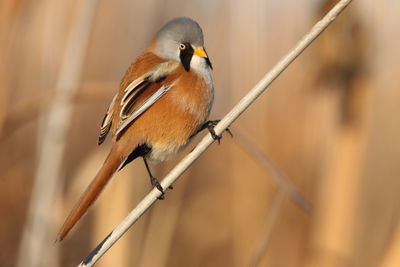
(243, 104)
(36, 232)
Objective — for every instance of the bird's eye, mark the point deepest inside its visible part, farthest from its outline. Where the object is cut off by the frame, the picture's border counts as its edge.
(182, 46)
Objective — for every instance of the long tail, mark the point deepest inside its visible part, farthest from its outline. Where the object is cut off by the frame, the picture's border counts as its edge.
(110, 166)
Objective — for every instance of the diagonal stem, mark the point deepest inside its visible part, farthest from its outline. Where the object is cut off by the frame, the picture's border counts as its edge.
(235, 112)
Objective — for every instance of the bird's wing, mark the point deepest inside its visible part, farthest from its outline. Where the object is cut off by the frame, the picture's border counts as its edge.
(130, 108)
(107, 121)
(128, 116)
(133, 104)
(129, 93)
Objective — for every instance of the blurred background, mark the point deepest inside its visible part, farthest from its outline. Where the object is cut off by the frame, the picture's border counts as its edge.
(311, 177)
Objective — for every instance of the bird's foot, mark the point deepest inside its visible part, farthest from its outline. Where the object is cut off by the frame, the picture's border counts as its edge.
(156, 184)
(210, 126)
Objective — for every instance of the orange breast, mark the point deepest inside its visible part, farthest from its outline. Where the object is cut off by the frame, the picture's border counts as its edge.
(167, 125)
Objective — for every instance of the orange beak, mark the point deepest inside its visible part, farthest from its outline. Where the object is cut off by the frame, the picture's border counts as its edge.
(200, 52)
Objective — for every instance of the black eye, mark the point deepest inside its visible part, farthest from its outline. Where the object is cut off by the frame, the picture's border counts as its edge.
(182, 46)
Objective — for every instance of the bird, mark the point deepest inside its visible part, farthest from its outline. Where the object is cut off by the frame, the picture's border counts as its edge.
(164, 99)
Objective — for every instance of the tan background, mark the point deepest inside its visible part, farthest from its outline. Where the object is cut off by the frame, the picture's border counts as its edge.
(330, 125)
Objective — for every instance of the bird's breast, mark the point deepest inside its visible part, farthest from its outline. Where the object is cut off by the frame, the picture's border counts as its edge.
(185, 108)
(194, 94)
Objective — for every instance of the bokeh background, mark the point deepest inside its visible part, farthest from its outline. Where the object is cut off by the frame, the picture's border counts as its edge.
(311, 177)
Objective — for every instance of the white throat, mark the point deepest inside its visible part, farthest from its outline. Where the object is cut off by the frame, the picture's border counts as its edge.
(199, 65)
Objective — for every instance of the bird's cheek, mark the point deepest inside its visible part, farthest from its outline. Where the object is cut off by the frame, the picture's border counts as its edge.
(186, 59)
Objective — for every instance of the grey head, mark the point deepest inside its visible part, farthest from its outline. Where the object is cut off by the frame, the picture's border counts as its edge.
(181, 39)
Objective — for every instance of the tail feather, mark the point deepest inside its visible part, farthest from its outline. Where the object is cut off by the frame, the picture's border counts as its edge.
(110, 166)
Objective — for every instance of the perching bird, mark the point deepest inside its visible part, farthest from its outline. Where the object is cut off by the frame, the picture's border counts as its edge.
(164, 99)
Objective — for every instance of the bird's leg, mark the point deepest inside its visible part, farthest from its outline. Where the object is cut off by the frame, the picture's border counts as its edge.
(210, 126)
(154, 181)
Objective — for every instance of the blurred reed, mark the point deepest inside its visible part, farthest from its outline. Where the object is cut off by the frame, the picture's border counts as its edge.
(39, 229)
(330, 125)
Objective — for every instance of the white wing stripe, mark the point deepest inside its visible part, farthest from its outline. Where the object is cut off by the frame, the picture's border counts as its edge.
(144, 106)
(135, 83)
(131, 87)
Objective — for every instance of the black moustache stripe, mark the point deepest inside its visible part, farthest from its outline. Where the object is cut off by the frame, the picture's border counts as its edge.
(208, 62)
(186, 56)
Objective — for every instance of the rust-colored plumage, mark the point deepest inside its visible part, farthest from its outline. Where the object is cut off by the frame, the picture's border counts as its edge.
(161, 103)
(110, 166)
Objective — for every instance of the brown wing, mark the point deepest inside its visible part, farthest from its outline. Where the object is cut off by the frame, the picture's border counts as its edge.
(107, 122)
(146, 74)
(142, 93)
